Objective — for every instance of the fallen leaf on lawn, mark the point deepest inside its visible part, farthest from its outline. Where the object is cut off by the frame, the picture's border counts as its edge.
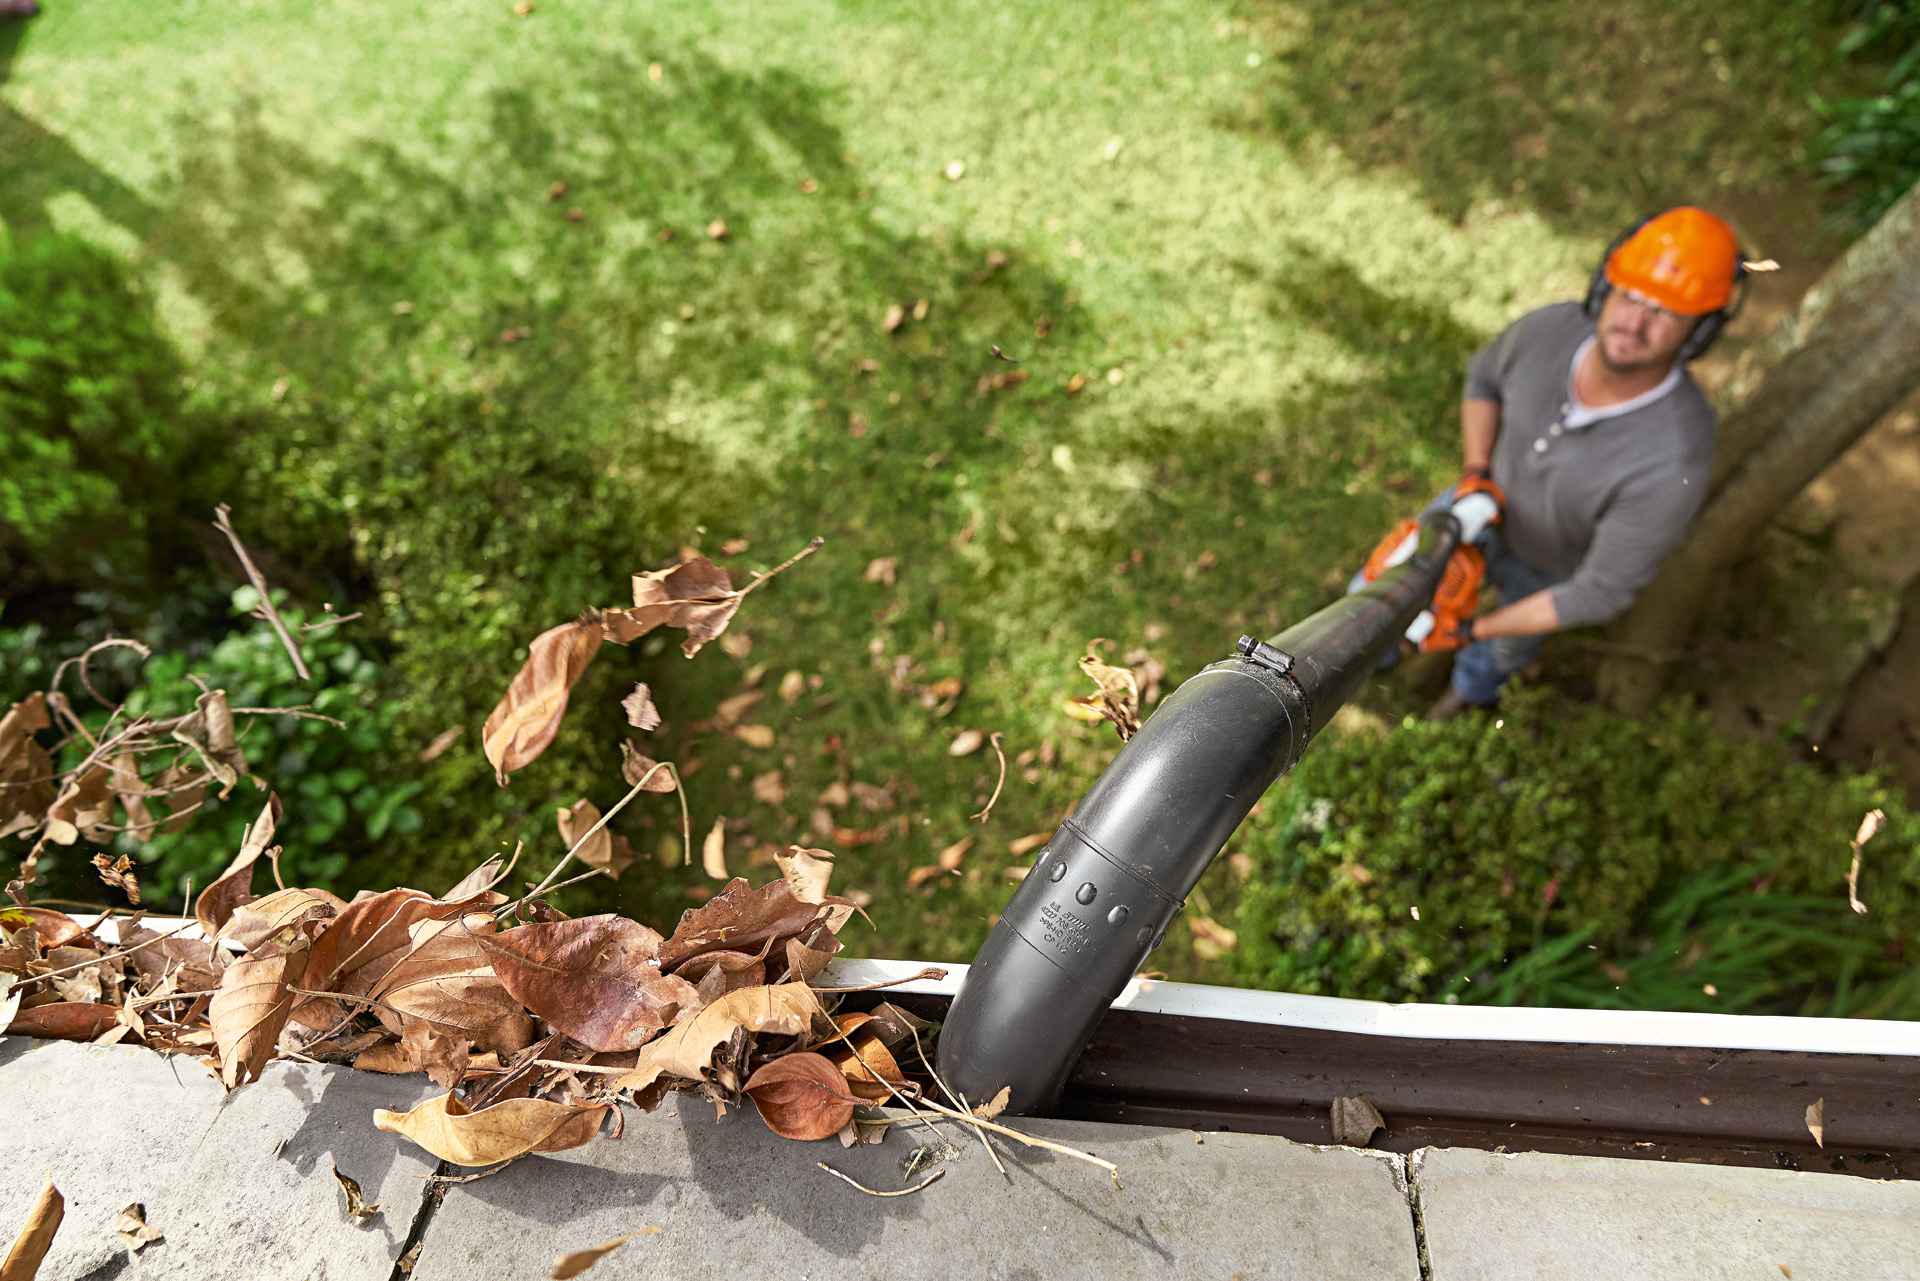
(445, 739)
(1116, 700)
(996, 1105)
(1355, 1120)
(875, 800)
(641, 713)
(572, 1265)
(448, 977)
(64, 1021)
(836, 795)
(235, 885)
(921, 875)
(597, 979)
(895, 317)
(356, 1205)
(855, 837)
(945, 688)
(209, 732)
(251, 1005)
(1211, 940)
(511, 1128)
(732, 709)
(717, 229)
(118, 872)
(1020, 871)
(713, 851)
(950, 857)
(36, 1235)
(806, 871)
(883, 569)
(768, 788)
(755, 736)
(529, 714)
(1817, 1121)
(254, 923)
(84, 803)
(1357, 874)
(966, 742)
(131, 1226)
(636, 765)
(686, 1049)
(1024, 845)
(802, 1096)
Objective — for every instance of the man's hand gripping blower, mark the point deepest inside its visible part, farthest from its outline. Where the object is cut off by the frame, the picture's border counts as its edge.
(1101, 895)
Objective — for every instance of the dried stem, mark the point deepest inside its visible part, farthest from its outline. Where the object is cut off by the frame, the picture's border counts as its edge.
(932, 972)
(931, 1178)
(1112, 1169)
(995, 740)
(266, 610)
(360, 1000)
(619, 805)
(1869, 828)
(961, 1099)
(762, 579)
(112, 956)
(332, 621)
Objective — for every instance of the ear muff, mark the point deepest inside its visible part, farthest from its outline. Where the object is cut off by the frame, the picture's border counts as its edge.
(1711, 325)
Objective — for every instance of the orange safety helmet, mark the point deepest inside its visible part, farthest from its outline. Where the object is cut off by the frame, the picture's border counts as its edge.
(1686, 259)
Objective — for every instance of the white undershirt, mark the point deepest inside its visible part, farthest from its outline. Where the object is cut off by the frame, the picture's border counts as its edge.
(1576, 413)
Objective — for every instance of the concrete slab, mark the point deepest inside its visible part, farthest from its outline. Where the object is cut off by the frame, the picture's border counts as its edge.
(242, 1185)
(735, 1200)
(1494, 1217)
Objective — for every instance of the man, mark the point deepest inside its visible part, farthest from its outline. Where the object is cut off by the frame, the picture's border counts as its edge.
(1584, 416)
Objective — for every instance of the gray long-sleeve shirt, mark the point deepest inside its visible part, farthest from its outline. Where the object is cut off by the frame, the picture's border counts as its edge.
(1601, 503)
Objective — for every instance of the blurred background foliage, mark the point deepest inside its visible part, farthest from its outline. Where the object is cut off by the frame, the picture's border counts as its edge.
(550, 301)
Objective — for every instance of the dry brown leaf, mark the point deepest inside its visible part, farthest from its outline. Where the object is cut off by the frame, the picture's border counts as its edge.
(759, 737)
(64, 1021)
(186, 788)
(895, 317)
(1817, 1121)
(529, 714)
(131, 1226)
(118, 873)
(445, 739)
(447, 977)
(209, 732)
(511, 1128)
(802, 1096)
(636, 765)
(235, 885)
(883, 569)
(131, 789)
(26, 771)
(1117, 700)
(686, 1050)
(806, 871)
(893, 1025)
(949, 858)
(1024, 845)
(966, 742)
(251, 1006)
(739, 918)
(572, 1265)
(996, 1105)
(371, 935)
(809, 954)
(1211, 940)
(357, 1206)
(85, 802)
(792, 686)
(597, 979)
(875, 800)
(1355, 1120)
(36, 1235)
(641, 713)
(696, 595)
(732, 709)
(253, 923)
(713, 851)
(769, 788)
(575, 822)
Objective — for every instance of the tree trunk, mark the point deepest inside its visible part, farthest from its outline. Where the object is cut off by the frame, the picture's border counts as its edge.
(1842, 361)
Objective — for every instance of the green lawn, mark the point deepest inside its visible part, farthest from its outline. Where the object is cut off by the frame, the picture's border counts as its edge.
(1267, 235)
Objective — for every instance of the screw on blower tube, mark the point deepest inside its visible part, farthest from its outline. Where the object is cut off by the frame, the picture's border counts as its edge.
(1101, 895)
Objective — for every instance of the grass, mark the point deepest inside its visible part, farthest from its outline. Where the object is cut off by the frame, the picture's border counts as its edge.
(1268, 235)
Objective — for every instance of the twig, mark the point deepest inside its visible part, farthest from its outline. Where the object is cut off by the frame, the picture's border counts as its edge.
(1869, 828)
(266, 609)
(303, 712)
(995, 740)
(582, 1067)
(1112, 1169)
(619, 805)
(931, 1178)
(114, 956)
(112, 642)
(788, 563)
(931, 972)
(363, 1000)
(961, 1099)
(330, 622)
(468, 1178)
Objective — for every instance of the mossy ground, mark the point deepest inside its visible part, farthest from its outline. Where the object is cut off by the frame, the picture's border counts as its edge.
(1268, 235)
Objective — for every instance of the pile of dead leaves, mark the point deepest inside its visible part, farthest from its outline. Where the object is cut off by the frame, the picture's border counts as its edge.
(535, 1024)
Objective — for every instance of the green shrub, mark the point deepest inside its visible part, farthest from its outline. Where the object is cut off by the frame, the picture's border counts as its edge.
(1575, 857)
(340, 795)
(1872, 145)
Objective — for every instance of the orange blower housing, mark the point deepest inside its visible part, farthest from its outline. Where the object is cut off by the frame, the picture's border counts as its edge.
(1458, 596)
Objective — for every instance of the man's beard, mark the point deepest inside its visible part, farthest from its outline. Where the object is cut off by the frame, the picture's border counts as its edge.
(1642, 365)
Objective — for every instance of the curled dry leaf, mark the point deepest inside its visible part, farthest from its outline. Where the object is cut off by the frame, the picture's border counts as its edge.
(572, 1265)
(501, 1132)
(686, 1050)
(636, 766)
(713, 851)
(447, 978)
(528, 717)
(1117, 699)
(131, 790)
(996, 1105)
(576, 821)
(1022, 846)
(36, 1235)
(641, 713)
(806, 871)
(357, 1206)
(597, 979)
(251, 1006)
(118, 873)
(420, 1049)
(131, 1226)
(253, 923)
(371, 935)
(85, 803)
(809, 954)
(759, 737)
(696, 595)
(234, 887)
(966, 742)
(802, 1096)
(209, 732)
(950, 857)
(1355, 1120)
(738, 918)
(1817, 1121)
(792, 686)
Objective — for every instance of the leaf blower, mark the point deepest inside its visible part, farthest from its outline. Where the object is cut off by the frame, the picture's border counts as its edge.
(1101, 894)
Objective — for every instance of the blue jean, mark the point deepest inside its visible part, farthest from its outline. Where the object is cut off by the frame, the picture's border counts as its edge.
(1482, 668)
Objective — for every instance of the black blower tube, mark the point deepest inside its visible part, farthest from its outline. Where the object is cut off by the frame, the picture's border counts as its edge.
(1099, 898)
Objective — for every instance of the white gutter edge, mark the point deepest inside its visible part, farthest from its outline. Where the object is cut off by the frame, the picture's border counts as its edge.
(1455, 1022)
(1670, 1028)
